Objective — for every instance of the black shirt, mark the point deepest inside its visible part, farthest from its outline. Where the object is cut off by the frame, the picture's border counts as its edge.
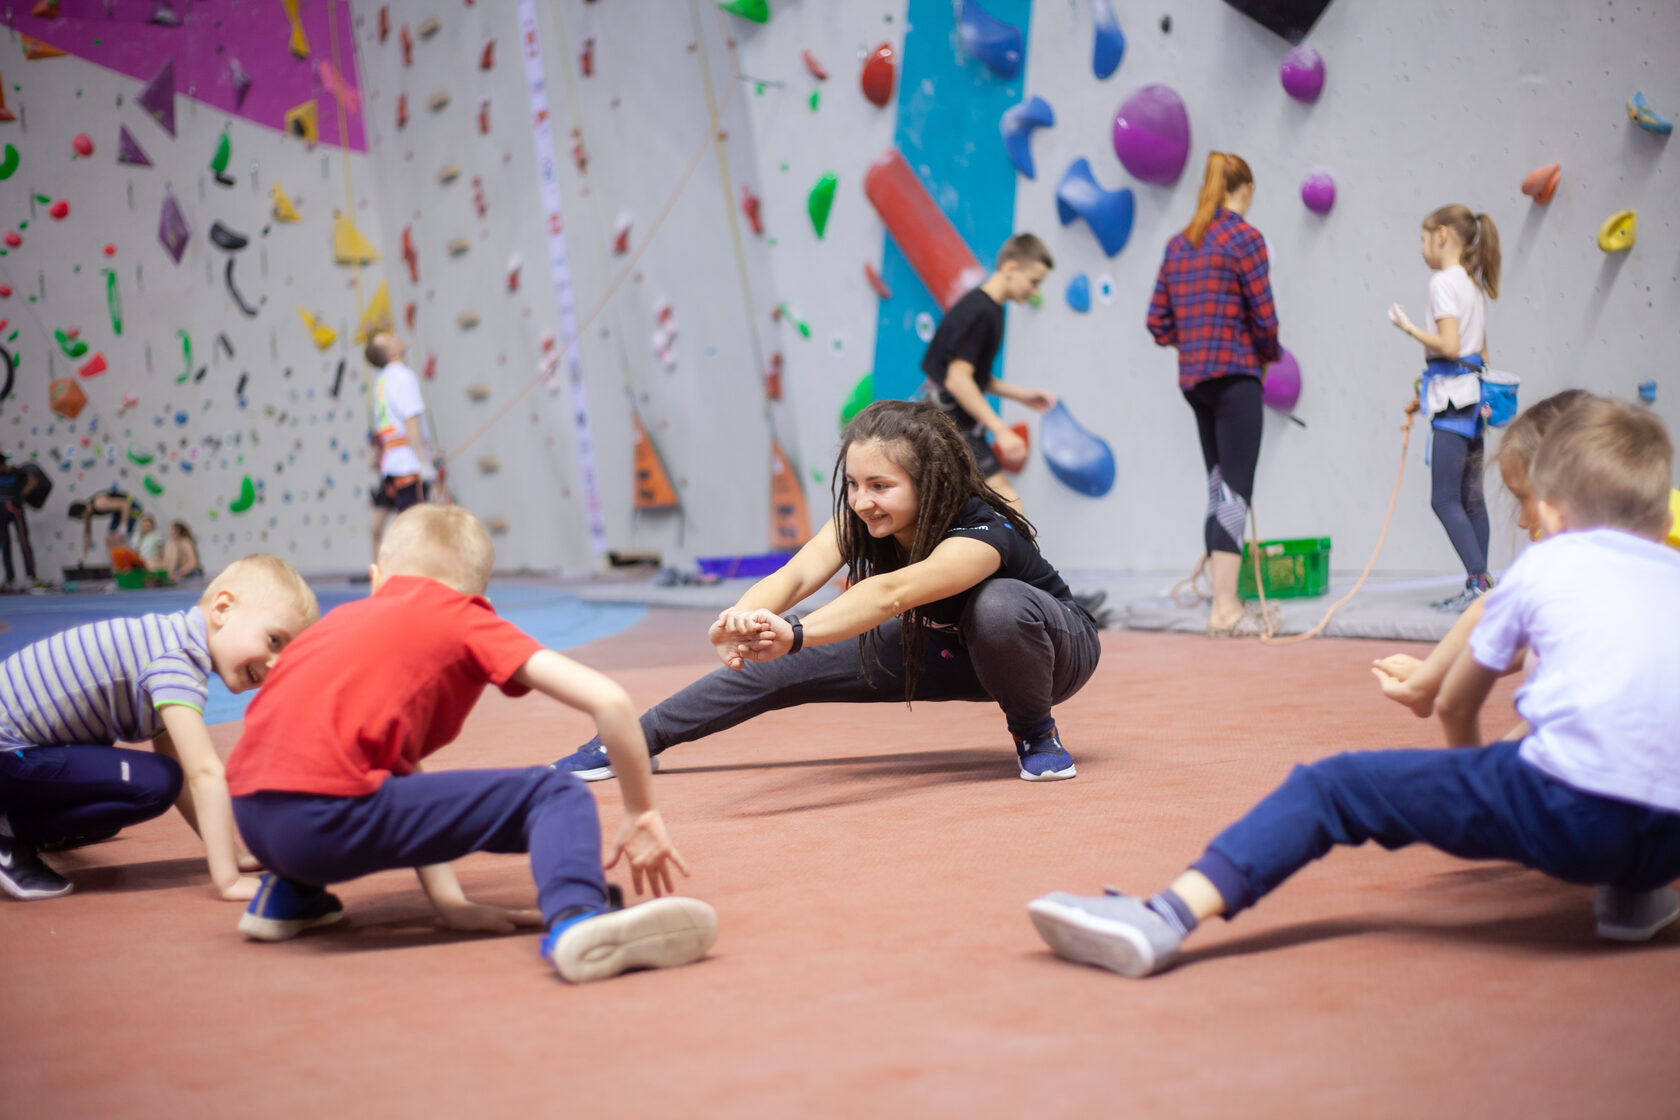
(973, 332)
(1020, 560)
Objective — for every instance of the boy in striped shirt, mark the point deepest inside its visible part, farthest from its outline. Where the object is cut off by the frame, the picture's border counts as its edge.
(67, 700)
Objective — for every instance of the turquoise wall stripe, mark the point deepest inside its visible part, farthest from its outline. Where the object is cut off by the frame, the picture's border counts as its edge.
(948, 110)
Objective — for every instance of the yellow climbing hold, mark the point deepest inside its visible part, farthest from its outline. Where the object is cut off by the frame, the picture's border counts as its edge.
(323, 335)
(1617, 233)
(284, 211)
(299, 41)
(377, 317)
(349, 246)
(302, 121)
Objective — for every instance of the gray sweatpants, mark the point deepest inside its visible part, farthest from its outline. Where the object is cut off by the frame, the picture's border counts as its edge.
(1020, 647)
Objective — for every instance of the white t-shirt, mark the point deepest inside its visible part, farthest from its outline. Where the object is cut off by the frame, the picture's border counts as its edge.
(396, 398)
(1453, 295)
(1600, 609)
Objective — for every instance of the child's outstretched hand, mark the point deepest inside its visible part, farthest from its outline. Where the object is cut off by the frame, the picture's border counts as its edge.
(1397, 316)
(477, 917)
(1042, 400)
(1398, 676)
(642, 838)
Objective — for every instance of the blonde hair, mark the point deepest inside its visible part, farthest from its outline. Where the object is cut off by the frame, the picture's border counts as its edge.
(1607, 463)
(1225, 173)
(260, 574)
(1522, 439)
(1480, 238)
(445, 543)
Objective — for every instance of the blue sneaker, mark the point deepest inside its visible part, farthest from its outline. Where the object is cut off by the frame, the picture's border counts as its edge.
(603, 941)
(1044, 759)
(589, 762)
(1112, 931)
(284, 909)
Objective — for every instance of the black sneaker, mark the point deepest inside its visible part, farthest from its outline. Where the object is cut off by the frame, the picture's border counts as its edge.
(24, 875)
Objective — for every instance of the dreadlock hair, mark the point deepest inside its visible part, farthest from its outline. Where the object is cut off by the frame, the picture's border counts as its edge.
(923, 442)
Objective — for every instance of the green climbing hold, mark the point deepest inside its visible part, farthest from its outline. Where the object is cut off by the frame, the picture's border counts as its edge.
(8, 163)
(186, 358)
(113, 301)
(816, 99)
(138, 457)
(43, 199)
(862, 396)
(153, 486)
(821, 201)
(756, 10)
(72, 347)
(1035, 300)
(224, 151)
(247, 496)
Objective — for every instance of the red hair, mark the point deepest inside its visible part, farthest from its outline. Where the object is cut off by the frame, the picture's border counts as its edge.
(1225, 173)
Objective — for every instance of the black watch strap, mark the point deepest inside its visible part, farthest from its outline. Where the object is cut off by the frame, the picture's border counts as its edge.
(798, 632)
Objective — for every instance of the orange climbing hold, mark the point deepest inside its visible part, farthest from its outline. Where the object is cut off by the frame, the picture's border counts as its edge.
(875, 281)
(34, 49)
(66, 398)
(402, 110)
(488, 58)
(790, 521)
(5, 113)
(410, 256)
(814, 67)
(653, 484)
(407, 46)
(1542, 183)
(878, 75)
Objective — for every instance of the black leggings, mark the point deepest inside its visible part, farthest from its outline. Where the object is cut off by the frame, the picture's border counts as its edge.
(1228, 418)
(1455, 493)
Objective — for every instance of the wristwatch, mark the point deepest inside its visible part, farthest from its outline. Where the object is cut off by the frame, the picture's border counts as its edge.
(798, 632)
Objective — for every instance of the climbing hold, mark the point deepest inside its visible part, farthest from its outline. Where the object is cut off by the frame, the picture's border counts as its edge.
(384, 22)
(750, 206)
(45, 9)
(813, 67)
(303, 121)
(1081, 460)
(1017, 124)
(240, 80)
(478, 392)
(1541, 183)
(284, 211)
(1648, 394)
(71, 346)
(478, 196)
(299, 42)
(514, 264)
(165, 15)
(820, 201)
(34, 49)
(219, 161)
(410, 257)
(186, 361)
(402, 111)
(621, 233)
(878, 74)
(816, 99)
(1110, 44)
(756, 10)
(487, 58)
(1281, 387)
(247, 489)
(1108, 213)
(1641, 114)
(875, 281)
(129, 150)
(467, 320)
(225, 238)
(59, 210)
(438, 100)
(158, 98)
(860, 398)
(8, 162)
(322, 335)
(407, 46)
(172, 226)
(1105, 287)
(113, 301)
(83, 144)
(458, 246)
(1302, 74)
(496, 525)
(347, 95)
(489, 464)
(924, 326)
(992, 41)
(13, 238)
(430, 27)
(1079, 293)
(139, 457)
(1318, 191)
(1152, 135)
(66, 398)
(484, 117)
(153, 486)
(586, 58)
(5, 113)
(377, 317)
(449, 172)
(93, 367)
(1025, 434)
(349, 245)
(1617, 233)
(936, 252)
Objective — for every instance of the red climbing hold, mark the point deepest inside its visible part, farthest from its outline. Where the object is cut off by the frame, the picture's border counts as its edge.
(431, 367)
(83, 144)
(13, 239)
(586, 58)
(750, 207)
(484, 116)
(875, 281)
(409, 255)
(408, 315)
(402, 110)
(815, 67)
(877, 79)
(5, 291)
(110, 250)
(93, 367)
(478, 195)
(407, 46)
(488, 58)
(59, 210)
(384, 23)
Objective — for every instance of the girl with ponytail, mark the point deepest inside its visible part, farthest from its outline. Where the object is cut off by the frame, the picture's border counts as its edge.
(1463, 250)
(1213, 301)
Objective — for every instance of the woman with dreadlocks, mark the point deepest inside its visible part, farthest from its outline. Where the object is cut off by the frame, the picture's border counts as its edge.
(948, 598)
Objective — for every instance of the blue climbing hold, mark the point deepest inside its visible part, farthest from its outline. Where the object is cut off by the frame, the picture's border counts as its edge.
(1648, 394)
(1110, 44)
(992, 41)
(1084, 462)
(1641, 114)
(1108, 213)
(1079, 293)
(1017, 124)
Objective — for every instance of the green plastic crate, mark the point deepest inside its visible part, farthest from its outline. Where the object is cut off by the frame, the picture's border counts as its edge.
(1298, 569)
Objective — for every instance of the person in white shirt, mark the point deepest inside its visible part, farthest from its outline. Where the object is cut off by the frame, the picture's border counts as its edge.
(1463, 250)
(1590, 794)
(406, 461)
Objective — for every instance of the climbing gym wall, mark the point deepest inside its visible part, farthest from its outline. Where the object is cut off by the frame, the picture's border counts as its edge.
(188, 225)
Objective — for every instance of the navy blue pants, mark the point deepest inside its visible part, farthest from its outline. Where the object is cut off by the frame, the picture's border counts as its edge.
(55, 793)
(1472, 803)
(424, 819)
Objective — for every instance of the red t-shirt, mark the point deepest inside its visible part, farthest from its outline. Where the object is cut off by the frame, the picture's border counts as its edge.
(373, 688)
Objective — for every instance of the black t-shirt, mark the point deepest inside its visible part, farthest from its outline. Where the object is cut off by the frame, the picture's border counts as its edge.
(1020, 560)
(12, 480)
(972, 331)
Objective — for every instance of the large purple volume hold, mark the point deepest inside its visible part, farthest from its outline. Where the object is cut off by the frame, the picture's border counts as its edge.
(1152, 135)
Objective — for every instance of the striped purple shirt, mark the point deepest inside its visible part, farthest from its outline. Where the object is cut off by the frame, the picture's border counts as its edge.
(103, 683)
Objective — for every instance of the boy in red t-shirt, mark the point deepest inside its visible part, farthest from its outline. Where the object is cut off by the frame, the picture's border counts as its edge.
(327, 786)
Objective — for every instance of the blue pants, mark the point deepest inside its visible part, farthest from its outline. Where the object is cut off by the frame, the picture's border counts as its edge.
(423, 819)
(55, 793)
(1472, 803)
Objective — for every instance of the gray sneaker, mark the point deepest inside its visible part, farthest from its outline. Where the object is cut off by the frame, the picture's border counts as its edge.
(1634, 915)
(1113, 931)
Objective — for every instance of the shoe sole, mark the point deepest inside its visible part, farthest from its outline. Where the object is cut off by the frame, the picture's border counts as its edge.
(1076, 936)
(31, 894)
(663, 933)
(1051, 775)
(602, 773)
(278, 929)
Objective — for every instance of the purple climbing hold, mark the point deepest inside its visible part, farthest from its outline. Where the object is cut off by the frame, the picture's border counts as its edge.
(172, 226)
(1079, 293)
(1318, 191)
(1282, 385)
(1108, 213)
(158, 98)
(129, 150)
(1152, 135)
(1110, 44)
(1017, 124)
(992, 41)
(241, 82)
(1302, 74)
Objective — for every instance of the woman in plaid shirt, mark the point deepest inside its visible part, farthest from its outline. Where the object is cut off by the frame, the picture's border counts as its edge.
(1213, 301)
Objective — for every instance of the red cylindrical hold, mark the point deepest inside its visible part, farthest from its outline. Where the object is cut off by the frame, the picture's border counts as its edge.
(921, 230)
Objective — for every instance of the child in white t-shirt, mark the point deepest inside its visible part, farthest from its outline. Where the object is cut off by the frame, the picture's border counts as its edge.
(1591, 795)
(1463, 249)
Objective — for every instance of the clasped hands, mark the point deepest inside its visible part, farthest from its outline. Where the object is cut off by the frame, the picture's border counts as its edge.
(741, 636)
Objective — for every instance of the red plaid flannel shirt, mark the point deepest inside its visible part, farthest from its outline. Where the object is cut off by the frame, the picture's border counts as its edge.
(1215, 303)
